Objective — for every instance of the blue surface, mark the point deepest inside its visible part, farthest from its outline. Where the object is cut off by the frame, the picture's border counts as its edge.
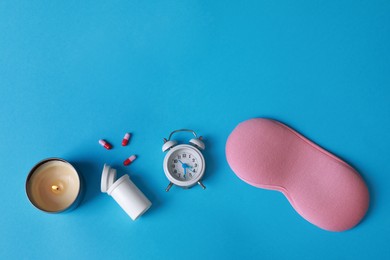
(72, 72)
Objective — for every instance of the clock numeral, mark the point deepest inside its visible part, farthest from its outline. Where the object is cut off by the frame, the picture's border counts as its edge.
(174, 160)
(193, 160)
(173, 166)
(178, 175)
(195, 165)
(190, 174)
(175, 171)
(179, 157)
(184, 155)
(189, 156)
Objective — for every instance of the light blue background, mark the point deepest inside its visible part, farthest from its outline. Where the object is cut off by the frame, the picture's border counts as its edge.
(72, 72)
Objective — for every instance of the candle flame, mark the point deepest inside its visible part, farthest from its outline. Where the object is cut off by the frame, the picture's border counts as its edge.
(57, 187)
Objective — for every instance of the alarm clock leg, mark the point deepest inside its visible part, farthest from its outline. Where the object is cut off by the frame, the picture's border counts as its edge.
(169, 186)
(201, 185)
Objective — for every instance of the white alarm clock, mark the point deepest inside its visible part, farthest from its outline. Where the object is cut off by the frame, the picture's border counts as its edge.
(184, 164)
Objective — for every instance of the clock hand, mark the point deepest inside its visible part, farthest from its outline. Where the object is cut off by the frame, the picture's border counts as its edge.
(184, 165)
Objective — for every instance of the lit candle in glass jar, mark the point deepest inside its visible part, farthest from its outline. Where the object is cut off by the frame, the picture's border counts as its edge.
(54, 185)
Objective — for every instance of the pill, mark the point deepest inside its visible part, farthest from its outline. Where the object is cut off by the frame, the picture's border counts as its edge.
(126, 139)
(129, 160)
(105, 144)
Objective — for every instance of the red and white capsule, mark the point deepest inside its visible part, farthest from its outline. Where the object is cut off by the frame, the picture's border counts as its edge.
(129, 160)
(126, 139)
(105, 144)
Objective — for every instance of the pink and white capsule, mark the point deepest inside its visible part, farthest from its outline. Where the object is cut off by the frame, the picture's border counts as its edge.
(105, 144)
(129, 160)
(126, 139)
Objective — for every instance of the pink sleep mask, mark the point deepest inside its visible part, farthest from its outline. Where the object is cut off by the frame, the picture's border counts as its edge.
(322, 188)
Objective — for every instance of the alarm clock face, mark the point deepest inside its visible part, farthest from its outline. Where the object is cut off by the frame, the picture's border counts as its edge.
(184, 165)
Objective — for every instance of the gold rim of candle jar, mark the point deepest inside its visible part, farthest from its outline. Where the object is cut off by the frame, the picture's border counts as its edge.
(31, 173)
